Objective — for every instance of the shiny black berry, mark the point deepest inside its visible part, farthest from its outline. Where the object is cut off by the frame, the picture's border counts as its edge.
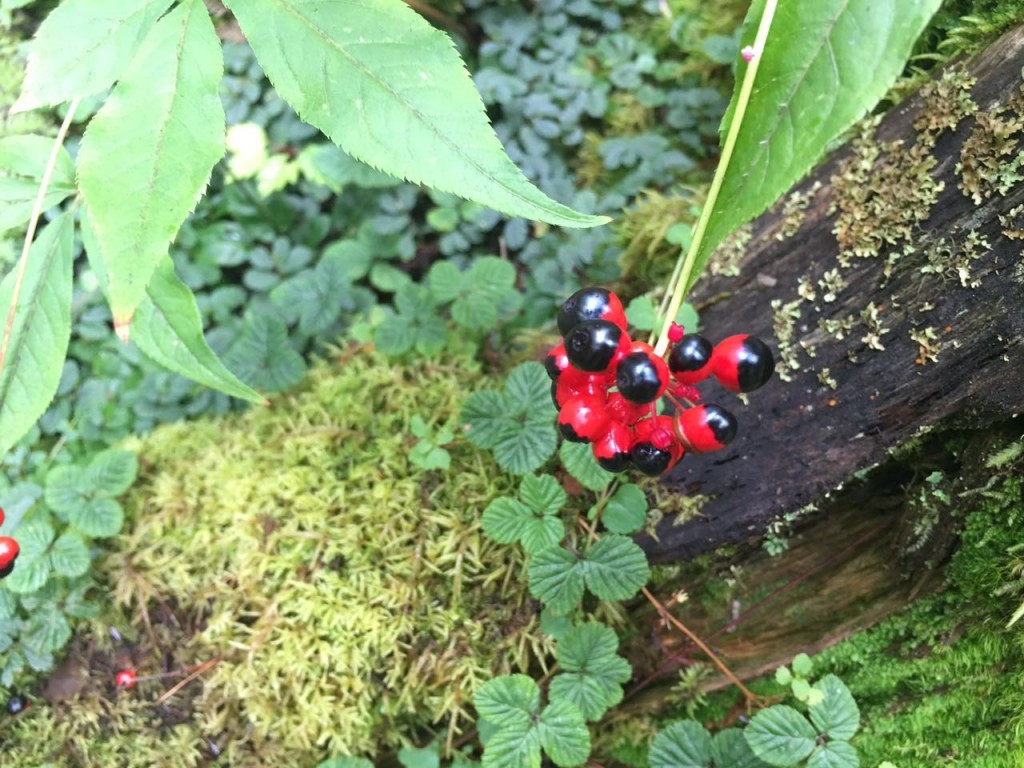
(16, 705)
(641, 376)
(650, 460)
(742, 363)
(690, 359)
(590, 304)
(706, 428)
(591, 345)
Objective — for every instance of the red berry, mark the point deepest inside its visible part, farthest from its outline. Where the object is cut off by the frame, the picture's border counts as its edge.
(568, 387)
(641, 376)
(690, 359)
(612, 449)
(705, 428)
(590, 304)
(742, 363)
(596, 345)
(656, 449)
(125, 678)
(675, 332)
(8, 554)
(623, 411)
(583, 418)
(557, 364)
(1, 516)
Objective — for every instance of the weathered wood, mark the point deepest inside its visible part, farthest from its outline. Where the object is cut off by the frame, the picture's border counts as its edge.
(915, 228)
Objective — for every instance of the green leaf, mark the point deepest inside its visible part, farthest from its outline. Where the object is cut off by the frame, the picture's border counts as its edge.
(626, 510)
(593, 670)
(67, 488)
(780, 736)
(22, 162)
(615, 568)
(783, 676)
(391, 90)
(32, 568)
(556, 577)
(505, 520)
(491, 276)
(113, 471)
(69, 555)
(578, 460)
(543, 494)
(263, 357)
(834, 754)
(729, 749)
(419, 758)
(169, 329)
(485, 415)
(509, 701)
(801, 688)
(82, 47)
(445, 281)
(147, 154)
(513, 748)
(811, 86)
(41, 331)
(345, 762)
(802, 665)
(524, 445)
(100, 517)
(529, 389)
(642, 314)
(836, 715)
(47, 630)
(563, 734)
(395, 336)
(552, 625)
(685, 744)
(328, 165)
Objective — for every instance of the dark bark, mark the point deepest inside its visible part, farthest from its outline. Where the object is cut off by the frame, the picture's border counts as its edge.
(958, 277)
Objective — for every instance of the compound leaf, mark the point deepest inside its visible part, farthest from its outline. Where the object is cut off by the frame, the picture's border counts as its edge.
(615, 568)
(391, 90)
(505, 520)
(147, 154)
(556, 577)
(509, 701)
(485, 414)
(67, 488)
(836, 715)
(811, 86)
(730, 748)
(69, 555)
(543, 494)
(99, 517)
(563, 734)
(82, 47)
(834, 754)
(263, 356)
(593, 672)
(685, 744)
(33, 357)
(780, 735)
(113, 471)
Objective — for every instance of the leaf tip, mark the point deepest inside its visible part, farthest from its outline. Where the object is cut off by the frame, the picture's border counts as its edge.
(122, 327)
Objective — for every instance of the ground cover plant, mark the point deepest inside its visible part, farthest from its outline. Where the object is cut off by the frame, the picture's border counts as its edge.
(303, 267)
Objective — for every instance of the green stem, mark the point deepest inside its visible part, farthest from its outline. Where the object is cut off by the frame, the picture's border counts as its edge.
(30, 233)
(684, 274)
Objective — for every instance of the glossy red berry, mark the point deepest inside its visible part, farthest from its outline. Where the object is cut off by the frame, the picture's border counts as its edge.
(594, 345)
(125, 678)
(568, 387)
(1, 516)
(656, 449)
(558, 367)
(641, 376)
(583, 418)
(742, 363)
(705, 428)
(623, 411)
(8, 554)
(590, 304)
(612, 449)
(690, 359)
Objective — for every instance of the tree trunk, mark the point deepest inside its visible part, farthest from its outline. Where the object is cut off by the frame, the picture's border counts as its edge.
(891, 284)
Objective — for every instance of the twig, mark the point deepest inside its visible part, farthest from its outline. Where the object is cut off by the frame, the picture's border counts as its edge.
(33, 222)
(181, 684)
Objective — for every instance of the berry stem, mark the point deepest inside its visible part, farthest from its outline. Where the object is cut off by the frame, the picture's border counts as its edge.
(33, 222)
(683, 275)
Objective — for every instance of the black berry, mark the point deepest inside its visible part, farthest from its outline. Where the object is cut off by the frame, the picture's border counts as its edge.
(690, 359)
(591, 345)
(641, 377)
(590, 304)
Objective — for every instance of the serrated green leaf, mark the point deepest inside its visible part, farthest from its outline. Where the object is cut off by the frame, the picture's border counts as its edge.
(509, 701)
(168, 328)
(69, 555)
(626, 510)
(28, 576)
(642, 314)
(811, 86)
(780, 736)
(543, 494)
(445, 281)
(729, 749)
(529, 389)
(329, 165)
(513, 748)
(615, 568)
(98, 518)
(82, 47)
(430, 335)
(159, 135)
(485, 415)
(34, 539)
(542, 533)
(47, 630)
(556, 577)
(395, 336)
(475, 311)
(554, 626)
(113, 471)
(836, 715)
(685, 744)
(8, 607)
(391, 90)
(593, 670)
(34, 358)
(834, 754)
(563, 734)
(505, 520)
(578, 460)
(67, 488)
(263, 357)
(491, 276)
(23, 159)
(523, 447)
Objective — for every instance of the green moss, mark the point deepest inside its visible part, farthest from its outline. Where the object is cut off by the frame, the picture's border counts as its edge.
(351, 597)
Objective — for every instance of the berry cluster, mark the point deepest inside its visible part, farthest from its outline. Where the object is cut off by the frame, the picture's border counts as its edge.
(8, 551)
(607, 386)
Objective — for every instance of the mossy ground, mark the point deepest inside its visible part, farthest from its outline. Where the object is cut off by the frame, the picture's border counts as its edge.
(350, 596)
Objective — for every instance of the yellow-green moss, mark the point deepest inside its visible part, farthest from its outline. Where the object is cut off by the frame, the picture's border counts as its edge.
(351, 597)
